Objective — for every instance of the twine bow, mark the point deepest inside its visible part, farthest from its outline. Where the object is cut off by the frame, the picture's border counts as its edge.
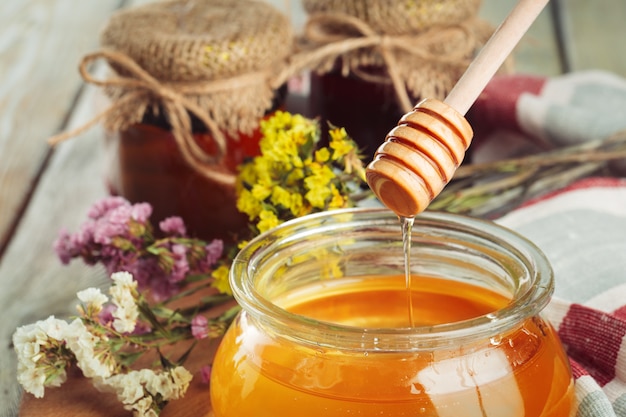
(140, 87)
(340, 33)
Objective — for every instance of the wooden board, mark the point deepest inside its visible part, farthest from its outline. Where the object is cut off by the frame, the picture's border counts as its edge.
(33, 281)
(40, 47)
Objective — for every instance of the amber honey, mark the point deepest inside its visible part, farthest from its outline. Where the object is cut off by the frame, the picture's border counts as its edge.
(520, 373)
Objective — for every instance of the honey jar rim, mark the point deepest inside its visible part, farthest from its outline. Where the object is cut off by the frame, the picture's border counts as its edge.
(534, 292)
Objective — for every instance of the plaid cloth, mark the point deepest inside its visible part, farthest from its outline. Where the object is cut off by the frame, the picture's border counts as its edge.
(581, 229)
(565, 110)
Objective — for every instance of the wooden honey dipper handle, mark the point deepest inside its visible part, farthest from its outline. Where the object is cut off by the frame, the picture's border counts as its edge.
(493, 54)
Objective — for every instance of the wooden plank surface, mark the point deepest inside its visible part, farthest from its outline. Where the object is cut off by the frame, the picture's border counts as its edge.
(40, 45)
(33, 283)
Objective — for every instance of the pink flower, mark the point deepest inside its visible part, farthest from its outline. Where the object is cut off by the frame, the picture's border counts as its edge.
(141, 212)
(199, 327)
(106, 314)
(214, 251)
(100, 208)
(119, 236)
(64, 247)
(205, 373)
(173, 226)
(112, 224)
(180, 268)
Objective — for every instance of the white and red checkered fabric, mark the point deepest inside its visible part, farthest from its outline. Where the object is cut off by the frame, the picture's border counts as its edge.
(582, 230)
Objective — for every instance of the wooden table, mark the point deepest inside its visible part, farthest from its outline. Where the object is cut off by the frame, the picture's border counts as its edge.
(41, 93)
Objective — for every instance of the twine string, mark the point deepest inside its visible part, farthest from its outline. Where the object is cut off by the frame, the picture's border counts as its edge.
(334, 35)
(137, 85)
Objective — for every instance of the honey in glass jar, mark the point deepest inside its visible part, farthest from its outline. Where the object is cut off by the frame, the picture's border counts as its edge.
(325, 328)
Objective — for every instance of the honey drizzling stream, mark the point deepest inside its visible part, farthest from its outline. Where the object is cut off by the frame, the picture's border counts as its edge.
(407, 228)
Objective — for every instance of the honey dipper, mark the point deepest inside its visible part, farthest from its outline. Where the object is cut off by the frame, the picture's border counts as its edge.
(421, 154)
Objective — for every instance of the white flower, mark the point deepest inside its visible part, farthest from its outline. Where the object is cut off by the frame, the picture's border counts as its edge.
(123, 296)
(27, 341)
(138, 389)
(54, 328)
(128, 387)
(34, 369)
(93, 298)
(82, 343)
(143, 408)
(32, 380)
(181, 379)
(124, 279)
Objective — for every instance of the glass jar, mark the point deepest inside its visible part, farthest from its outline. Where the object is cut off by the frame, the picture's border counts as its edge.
(324, 328)
(145, 164)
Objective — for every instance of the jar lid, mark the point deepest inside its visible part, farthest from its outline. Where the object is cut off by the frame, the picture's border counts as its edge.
(396, 17)
(186, 40)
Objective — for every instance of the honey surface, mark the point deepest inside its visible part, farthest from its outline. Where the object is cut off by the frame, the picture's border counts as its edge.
(521, 373)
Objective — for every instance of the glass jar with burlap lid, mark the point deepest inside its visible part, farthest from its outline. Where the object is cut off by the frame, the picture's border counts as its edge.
(190, 82)
(371, 61)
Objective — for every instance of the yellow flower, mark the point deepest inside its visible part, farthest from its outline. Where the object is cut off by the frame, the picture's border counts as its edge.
(261, 190)
(248, 204)
(282, 197)
(320, 176)
(322, 155)
(340, 143)
(263, 168)
(280, 154)
(297, 205)
(317, 196)
(220, 280)
(268, 221)
(247, 175)
(293, 177)
(337, 200)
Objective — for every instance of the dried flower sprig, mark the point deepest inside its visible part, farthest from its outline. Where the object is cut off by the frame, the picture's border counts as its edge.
(104, 341)
(110, 335)
(119, 235)
(293, 176)
(493, 188)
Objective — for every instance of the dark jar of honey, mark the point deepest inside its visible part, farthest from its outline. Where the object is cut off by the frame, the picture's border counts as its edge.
(368, 110)
(191, 83)
(325, 327)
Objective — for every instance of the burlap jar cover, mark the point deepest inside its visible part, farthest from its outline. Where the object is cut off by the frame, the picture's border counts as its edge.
(424, 45)
(220, 61)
